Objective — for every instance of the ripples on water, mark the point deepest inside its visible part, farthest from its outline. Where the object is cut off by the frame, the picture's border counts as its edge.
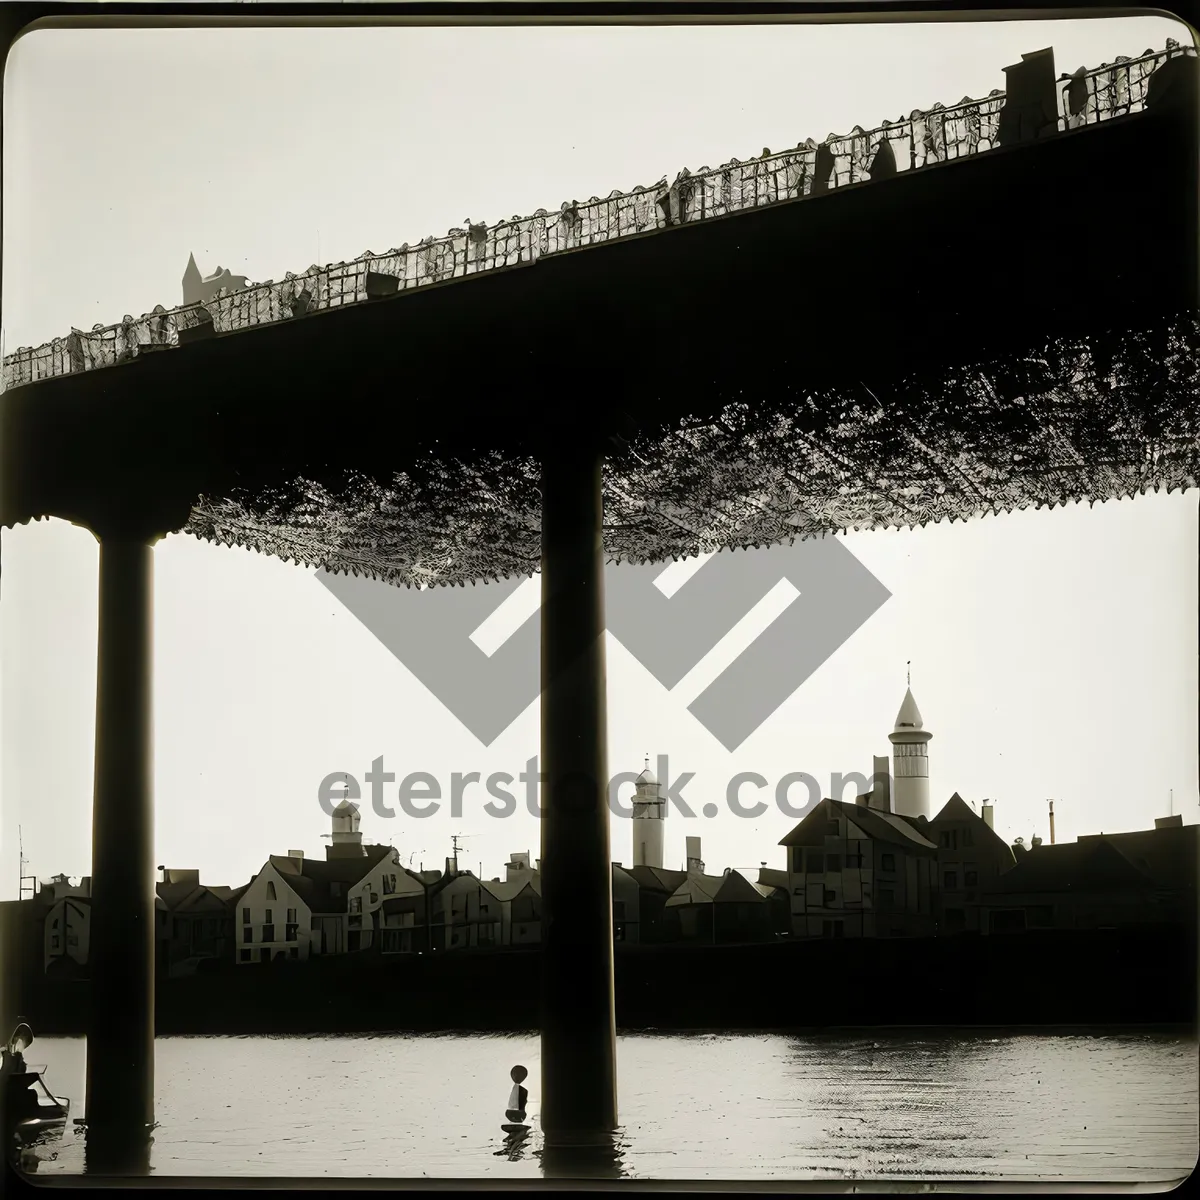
(1030, 1107)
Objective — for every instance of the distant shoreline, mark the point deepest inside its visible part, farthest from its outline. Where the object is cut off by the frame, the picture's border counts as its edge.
(1052, 982)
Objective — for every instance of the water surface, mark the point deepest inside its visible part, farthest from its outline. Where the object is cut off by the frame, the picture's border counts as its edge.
(1078, 1108)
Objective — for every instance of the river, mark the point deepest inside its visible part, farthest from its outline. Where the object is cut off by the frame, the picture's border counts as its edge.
(903, 1106)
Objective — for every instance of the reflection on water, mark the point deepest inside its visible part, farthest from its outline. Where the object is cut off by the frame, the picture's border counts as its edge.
(934, 1106)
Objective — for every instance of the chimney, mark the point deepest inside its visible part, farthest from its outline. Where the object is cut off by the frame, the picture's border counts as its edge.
(1051, 803)
(450, 867)
(694, 865)
(518, 864)
(987, 813)
(295, 854)
(1030, 108)
(1035, 842)
(1173, 822)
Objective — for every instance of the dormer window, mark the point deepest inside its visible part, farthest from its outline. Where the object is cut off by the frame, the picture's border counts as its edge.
(271, 891)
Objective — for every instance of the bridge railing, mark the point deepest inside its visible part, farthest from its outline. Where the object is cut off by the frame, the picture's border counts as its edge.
(920, 140)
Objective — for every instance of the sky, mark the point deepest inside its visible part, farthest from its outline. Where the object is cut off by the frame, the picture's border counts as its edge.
(1053, 654)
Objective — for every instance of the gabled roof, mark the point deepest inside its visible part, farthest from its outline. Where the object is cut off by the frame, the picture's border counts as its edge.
(733, 888)
(957, 811)
(656, 879)
(1169, 856)
(879, 826)
(772, 877)
(1087, 866)
(510, 889)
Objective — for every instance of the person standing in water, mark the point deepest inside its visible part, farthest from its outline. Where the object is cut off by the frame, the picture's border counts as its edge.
(518, 1100)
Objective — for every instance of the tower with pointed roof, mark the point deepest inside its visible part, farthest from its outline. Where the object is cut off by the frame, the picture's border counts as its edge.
(910, 761)
(649, 814)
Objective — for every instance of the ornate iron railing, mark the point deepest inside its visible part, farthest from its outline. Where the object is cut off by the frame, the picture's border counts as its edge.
(920, 140)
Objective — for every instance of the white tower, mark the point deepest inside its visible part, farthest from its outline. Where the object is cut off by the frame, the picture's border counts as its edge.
(649, 812)
(910, 761)
(346, 840)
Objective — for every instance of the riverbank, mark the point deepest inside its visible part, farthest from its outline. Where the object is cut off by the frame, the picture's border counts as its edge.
(1052, 979)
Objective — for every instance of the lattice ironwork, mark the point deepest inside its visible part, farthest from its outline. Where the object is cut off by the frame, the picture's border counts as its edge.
(921, 140)
(1073, 419)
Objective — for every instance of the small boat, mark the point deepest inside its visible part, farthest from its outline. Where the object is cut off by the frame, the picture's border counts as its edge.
(29, 1109)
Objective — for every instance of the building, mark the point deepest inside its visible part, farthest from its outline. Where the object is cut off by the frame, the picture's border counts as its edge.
(1101, 881)
(627, 907)
(910, 761)
(971, 858)
(656, 885)
(649, 816)
(718, 909)
(199, 924)
(296, 907)
(859, 870)
(200, 289)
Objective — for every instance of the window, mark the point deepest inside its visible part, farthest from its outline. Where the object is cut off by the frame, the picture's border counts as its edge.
(854, 859)
(833, 862)
(886, 898)
(816, 862)
(291, 933)
(72, 940)
(54, 923)
(389, 884)
(245, 955)
(950, 880)
(797, 859)
(374, 897)
(830, 896)
(247, 934)
(798, 891)
(271, 892)
(268, 917)
(949, 839)
(268, 933)
(833, 829)
(970, 877)
(356, 904)
(967, 838)
(483, 908)
(291, 916)
(294, 952)
(245, 916)
(887, 862)
(54, 942)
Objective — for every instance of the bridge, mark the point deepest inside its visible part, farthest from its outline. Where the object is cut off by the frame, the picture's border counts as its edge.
(969, 310)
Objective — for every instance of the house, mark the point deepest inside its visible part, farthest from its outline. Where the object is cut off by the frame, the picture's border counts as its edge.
(67, 926)
(720, 909)
(656, 885)
(494, 912)
(775, 884)
(296, 906)
(1101, 881)
(971, 857)
(859, 870)
(627, 907)
(198, 921)
(406, 913)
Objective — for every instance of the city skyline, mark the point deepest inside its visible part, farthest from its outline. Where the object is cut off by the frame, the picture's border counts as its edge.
(1053, 654)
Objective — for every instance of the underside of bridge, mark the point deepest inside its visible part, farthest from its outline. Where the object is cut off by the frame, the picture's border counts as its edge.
(1012, 329)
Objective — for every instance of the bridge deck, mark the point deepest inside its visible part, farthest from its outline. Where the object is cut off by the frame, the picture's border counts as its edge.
(1015, 327)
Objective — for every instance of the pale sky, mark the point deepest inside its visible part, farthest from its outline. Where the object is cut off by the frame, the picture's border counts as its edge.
(1054, 654)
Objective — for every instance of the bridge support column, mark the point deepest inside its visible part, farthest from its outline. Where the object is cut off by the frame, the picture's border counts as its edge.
(120, 1040)
(579, 1087)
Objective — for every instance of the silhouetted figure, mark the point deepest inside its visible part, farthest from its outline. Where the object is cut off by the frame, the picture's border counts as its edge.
(519, 1097)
